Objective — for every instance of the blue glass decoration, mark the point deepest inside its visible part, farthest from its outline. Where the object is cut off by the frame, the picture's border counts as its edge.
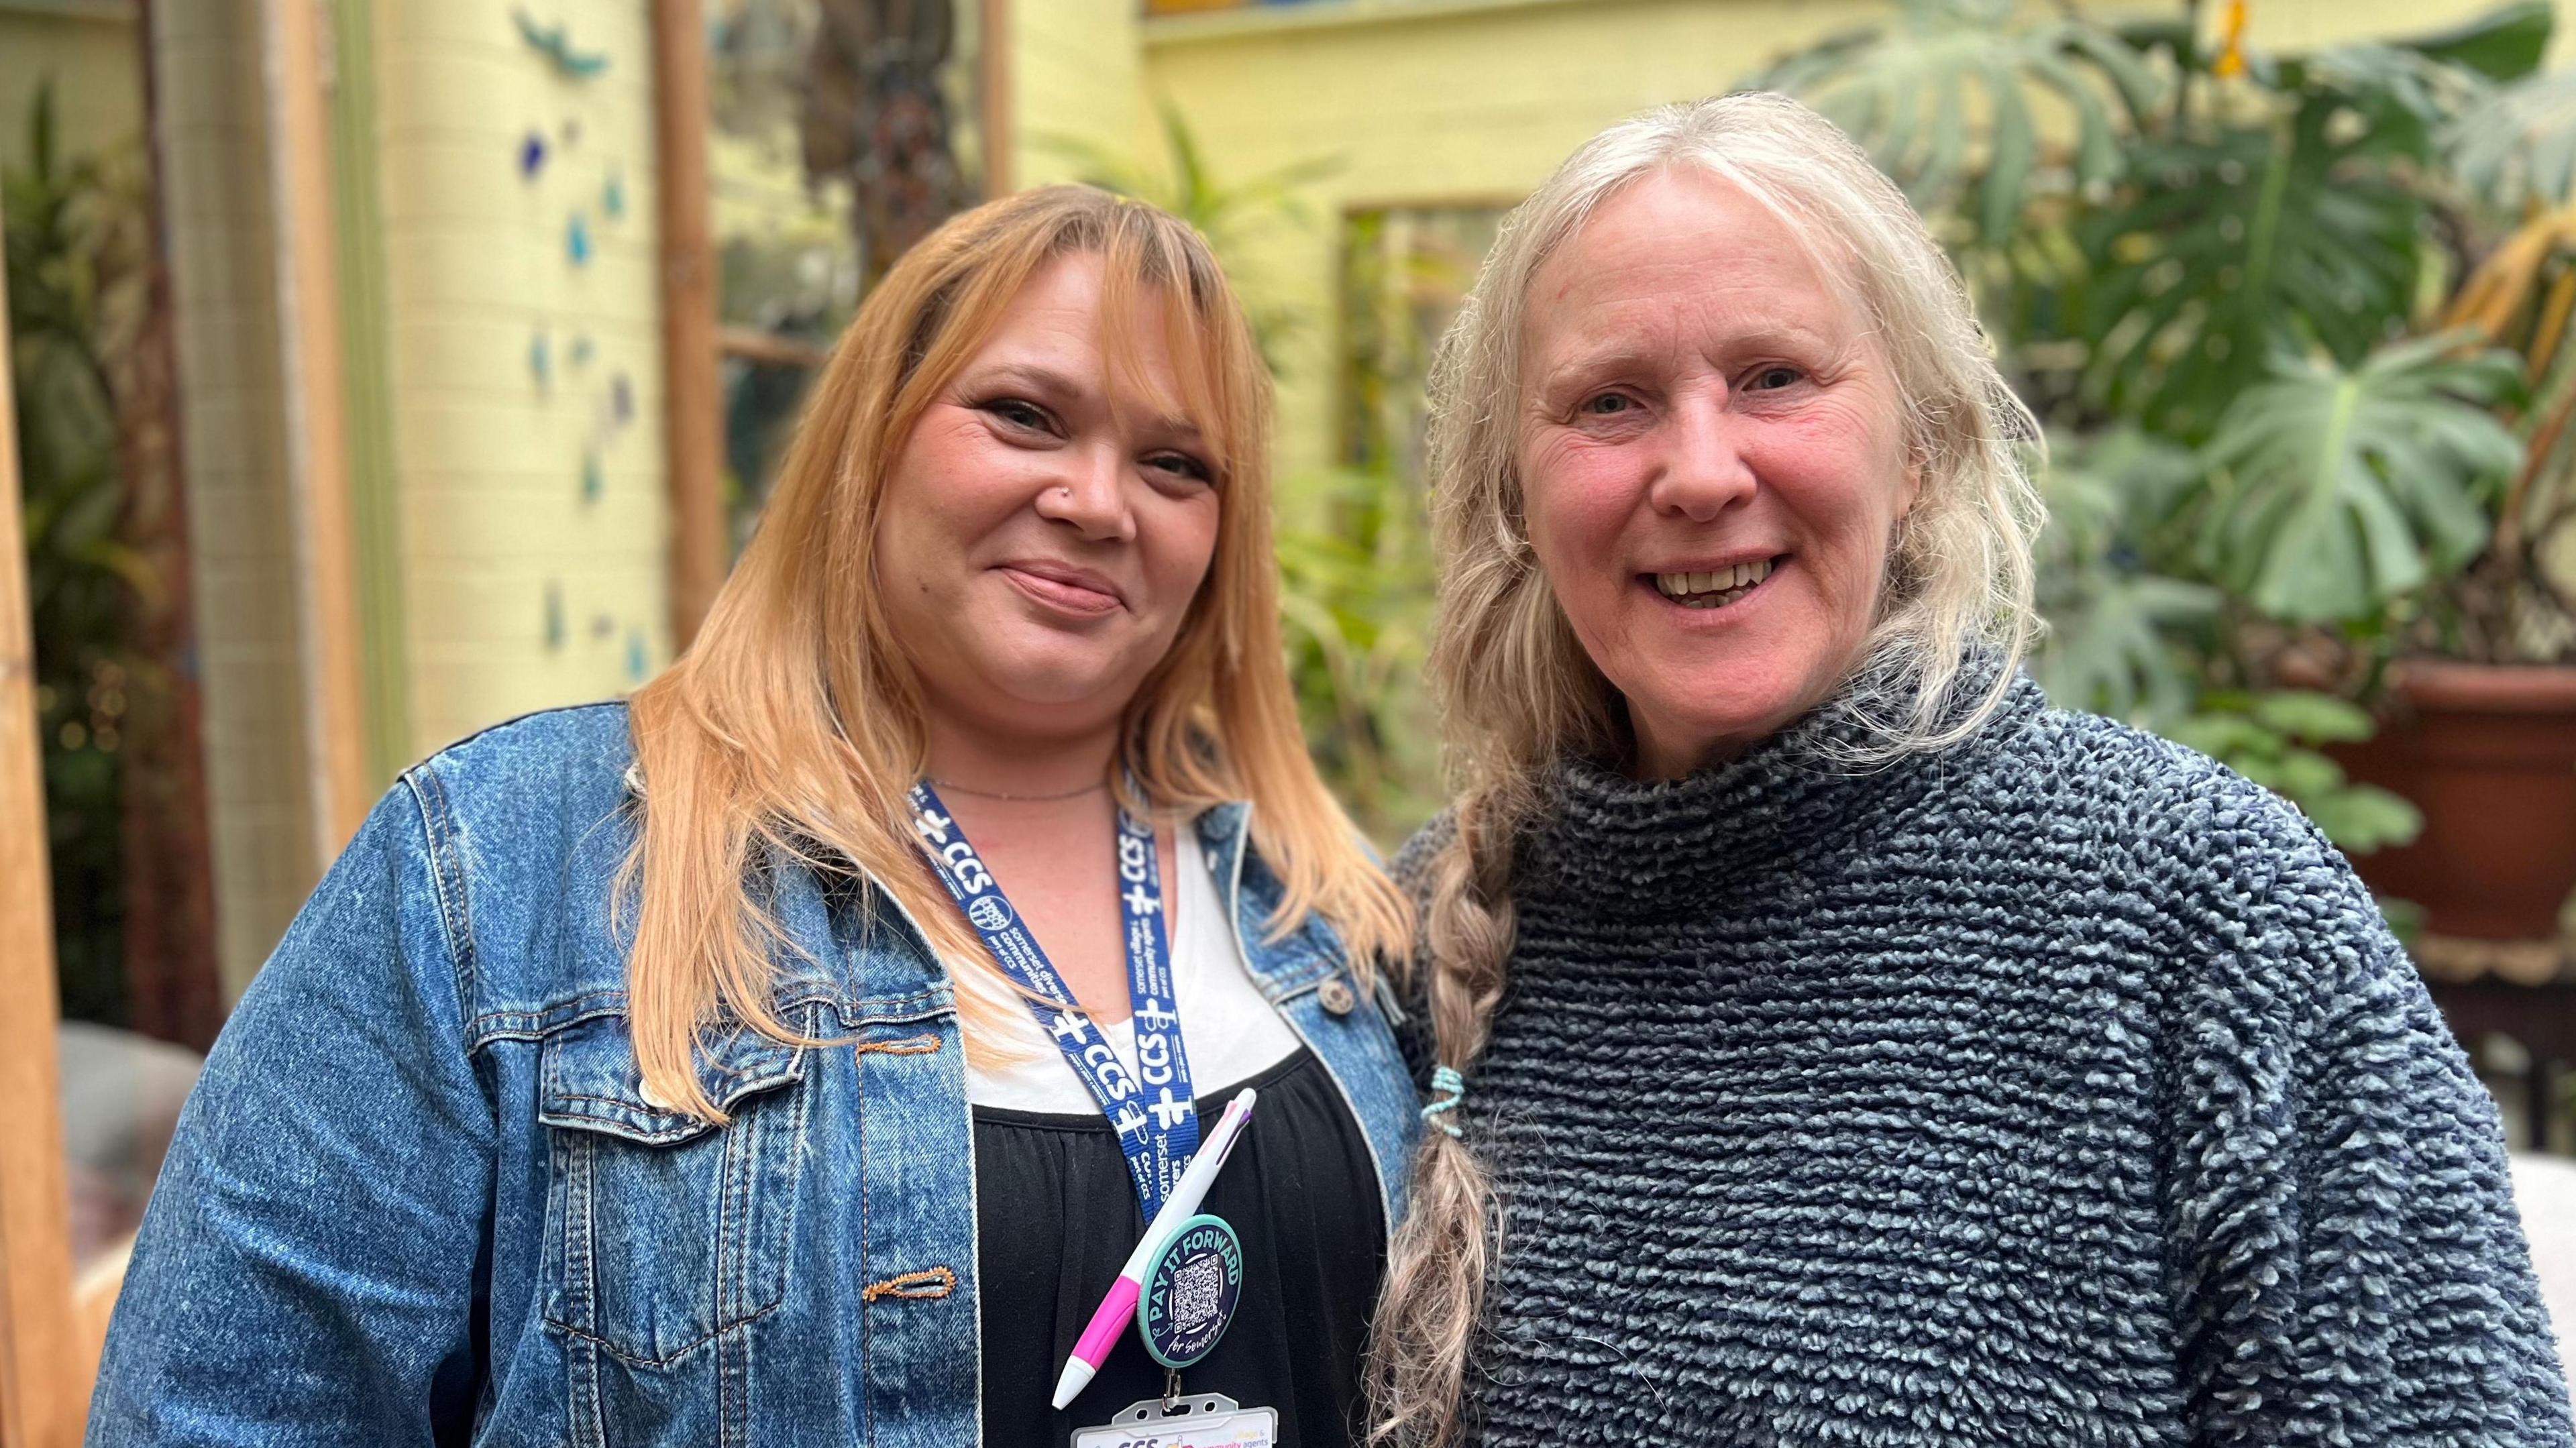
(581, 351)
(554, 615)
(593, 480)
(612, 197)
(621, 399)
(540, 361)
(555, 44)
(637, 664)
(577, 241)
(532, 156)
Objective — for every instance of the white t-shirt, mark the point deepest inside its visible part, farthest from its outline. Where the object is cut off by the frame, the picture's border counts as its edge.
(1229, 1030)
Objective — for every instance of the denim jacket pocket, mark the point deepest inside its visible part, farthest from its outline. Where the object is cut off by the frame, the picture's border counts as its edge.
(663, 1230)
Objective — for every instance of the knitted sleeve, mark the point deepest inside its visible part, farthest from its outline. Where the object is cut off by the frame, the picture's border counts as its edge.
(2349, 1268)
(1411, 870)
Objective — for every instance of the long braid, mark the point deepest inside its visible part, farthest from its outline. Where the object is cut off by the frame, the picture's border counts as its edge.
(1436, 1272)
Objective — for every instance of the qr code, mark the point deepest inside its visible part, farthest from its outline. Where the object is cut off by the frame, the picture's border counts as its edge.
(1197, 1288)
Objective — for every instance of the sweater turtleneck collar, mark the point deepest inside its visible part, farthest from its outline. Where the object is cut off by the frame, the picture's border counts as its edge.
(1657, 848)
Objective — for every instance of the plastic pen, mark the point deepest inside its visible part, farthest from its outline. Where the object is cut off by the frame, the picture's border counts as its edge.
(1119, 1307)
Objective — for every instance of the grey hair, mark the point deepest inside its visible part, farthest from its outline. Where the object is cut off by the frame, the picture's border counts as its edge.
(1517, 692)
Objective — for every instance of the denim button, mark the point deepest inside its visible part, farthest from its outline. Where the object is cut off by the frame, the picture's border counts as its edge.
(1337, 996)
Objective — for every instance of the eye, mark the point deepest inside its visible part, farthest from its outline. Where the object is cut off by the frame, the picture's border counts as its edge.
(1607, 404)
(1181, 465)
(1773, 378)
(1018, 412)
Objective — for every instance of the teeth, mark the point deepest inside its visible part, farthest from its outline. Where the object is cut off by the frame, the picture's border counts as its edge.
(1714, 588)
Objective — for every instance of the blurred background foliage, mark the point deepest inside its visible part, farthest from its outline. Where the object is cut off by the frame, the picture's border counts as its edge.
(76, 246)
(2296, 324)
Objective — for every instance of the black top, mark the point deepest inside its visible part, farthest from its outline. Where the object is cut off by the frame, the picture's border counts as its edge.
(1056, 1218)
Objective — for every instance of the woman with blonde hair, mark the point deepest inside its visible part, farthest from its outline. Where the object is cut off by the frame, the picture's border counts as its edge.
(1837, 1045)
(795, 1053)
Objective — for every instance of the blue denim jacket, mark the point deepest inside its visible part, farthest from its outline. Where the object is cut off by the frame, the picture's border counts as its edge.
(420, 1195)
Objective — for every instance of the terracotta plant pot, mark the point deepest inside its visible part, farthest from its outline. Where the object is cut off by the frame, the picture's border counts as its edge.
(2488, 753)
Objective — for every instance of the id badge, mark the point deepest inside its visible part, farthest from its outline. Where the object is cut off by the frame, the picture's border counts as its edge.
(1199, 1420)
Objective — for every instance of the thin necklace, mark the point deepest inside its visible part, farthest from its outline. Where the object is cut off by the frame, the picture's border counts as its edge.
(1020, 798)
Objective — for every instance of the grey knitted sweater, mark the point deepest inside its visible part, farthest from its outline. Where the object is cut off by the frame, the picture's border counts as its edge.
(2062, 1088)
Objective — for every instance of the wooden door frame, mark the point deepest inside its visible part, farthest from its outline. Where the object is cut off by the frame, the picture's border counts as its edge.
(43, 1396)
(692, 398)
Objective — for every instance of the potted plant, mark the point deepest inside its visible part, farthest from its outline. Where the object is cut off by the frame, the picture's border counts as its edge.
(2480, 715)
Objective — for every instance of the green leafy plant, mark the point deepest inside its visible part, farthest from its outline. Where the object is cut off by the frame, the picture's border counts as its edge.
(2113, 617)
(74, 242)
(2288, 216)
(2272, 738)
(2334, 491)
(2517, 145)
(1355, 605)
(1906, 92)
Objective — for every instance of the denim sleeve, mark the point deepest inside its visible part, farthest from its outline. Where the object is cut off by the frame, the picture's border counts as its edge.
(309, 1267)
(2352, 1269)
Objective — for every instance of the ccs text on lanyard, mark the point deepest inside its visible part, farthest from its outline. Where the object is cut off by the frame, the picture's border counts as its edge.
(1152, 1109)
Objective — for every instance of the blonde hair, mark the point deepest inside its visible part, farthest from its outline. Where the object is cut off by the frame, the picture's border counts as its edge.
(1516, 690)
(791, 730)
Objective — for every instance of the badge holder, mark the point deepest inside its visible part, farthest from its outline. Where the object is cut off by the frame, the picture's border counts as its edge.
(1209, 1420)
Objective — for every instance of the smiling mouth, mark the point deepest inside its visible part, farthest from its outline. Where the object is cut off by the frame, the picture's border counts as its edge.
(1713, 588)
(1066, 594)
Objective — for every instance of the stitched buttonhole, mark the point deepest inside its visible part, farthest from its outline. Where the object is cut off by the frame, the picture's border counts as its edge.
(928, 1283)
(908, 1046)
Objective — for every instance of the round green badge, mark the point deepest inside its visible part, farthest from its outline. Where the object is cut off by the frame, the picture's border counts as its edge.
(1191, 1289)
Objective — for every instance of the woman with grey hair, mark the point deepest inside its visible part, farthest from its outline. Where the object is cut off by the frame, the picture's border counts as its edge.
(1835, 1044)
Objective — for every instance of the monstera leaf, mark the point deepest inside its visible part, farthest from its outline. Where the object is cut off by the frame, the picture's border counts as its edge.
(2335, 490)
(2518, 145)
(2222, 249)
(2112, 619)
(1946, 94)
(2504, 44)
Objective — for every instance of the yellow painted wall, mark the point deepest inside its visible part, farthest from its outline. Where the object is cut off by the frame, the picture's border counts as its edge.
(88, 52)
(490, 519)
(1471, 101)
(222, 258)
(488, 464)
(1076, 70)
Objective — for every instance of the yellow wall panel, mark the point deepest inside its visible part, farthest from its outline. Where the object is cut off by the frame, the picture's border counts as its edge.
(1076, 72)
(511, 562)
(90, 61)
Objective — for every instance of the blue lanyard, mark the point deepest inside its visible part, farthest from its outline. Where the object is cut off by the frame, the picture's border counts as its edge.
(1153, 1110)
